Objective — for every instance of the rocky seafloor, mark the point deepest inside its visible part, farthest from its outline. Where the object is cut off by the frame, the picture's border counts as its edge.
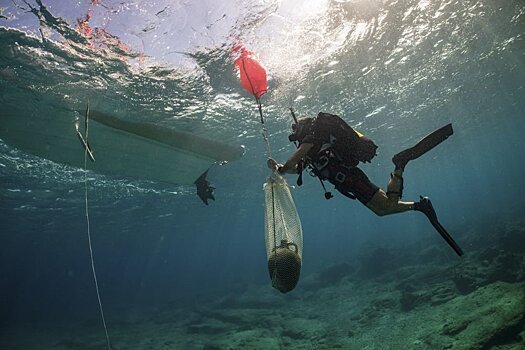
(388, 298)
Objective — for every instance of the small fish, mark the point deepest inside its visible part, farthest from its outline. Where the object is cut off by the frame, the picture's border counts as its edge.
(204, 190)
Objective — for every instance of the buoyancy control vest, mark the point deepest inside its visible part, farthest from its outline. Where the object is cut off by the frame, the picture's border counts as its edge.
(332, 137)
(335, 143)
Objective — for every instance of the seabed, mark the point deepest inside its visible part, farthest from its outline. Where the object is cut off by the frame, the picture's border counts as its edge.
(414, 297)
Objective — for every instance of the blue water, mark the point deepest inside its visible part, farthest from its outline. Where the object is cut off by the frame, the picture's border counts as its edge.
(396, 70)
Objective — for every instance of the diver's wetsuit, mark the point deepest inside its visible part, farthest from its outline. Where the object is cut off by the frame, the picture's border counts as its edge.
(330, 149)
(345, 176)
(354, 181)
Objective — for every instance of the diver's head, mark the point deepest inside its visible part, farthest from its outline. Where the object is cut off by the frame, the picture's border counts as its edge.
(300, 129)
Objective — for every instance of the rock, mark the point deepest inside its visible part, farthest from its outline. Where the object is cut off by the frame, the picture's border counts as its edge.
(411, 300)
(442, 294)
(506, 267)
(327, 277)
(423, 290)
(488, 266)
(512, 239)
(211, 347)
(378, 261)
(298, 328)
(333, 274)
(205, 329)
(489, 316)
(465, 283)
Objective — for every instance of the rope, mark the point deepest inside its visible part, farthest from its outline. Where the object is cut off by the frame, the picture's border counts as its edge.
(269, 153)
(264, 130)
(274, 275)
(86, 149)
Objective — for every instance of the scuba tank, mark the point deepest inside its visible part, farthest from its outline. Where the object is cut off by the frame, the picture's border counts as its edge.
(336, 140)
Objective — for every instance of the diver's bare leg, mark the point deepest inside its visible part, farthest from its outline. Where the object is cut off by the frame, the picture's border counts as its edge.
(385, 203)
(394, 189)
(382, 205)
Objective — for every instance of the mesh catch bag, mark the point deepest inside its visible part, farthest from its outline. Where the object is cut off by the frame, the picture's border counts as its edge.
(283, 234)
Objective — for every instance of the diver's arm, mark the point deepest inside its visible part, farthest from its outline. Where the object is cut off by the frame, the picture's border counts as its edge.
(290, 167)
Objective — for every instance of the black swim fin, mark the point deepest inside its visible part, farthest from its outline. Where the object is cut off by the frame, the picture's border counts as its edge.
(425, 206)
(423, 146)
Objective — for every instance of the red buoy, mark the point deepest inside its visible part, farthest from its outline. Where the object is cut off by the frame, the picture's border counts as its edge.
(253, 75)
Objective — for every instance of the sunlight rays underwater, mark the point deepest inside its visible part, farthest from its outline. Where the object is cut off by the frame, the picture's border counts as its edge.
(175, 273)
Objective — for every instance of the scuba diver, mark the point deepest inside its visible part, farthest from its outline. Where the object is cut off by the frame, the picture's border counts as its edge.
(332, 150)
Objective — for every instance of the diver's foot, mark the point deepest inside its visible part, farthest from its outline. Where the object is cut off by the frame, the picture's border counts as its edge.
(401, 159)
(425, 206)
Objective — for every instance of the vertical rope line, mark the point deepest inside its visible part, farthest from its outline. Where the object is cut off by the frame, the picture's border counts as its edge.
(269, 152)
(274, 234)
(89, 235)
(264, 130)
(251, 85)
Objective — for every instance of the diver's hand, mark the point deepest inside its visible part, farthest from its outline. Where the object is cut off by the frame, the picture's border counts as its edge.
(272, 164)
